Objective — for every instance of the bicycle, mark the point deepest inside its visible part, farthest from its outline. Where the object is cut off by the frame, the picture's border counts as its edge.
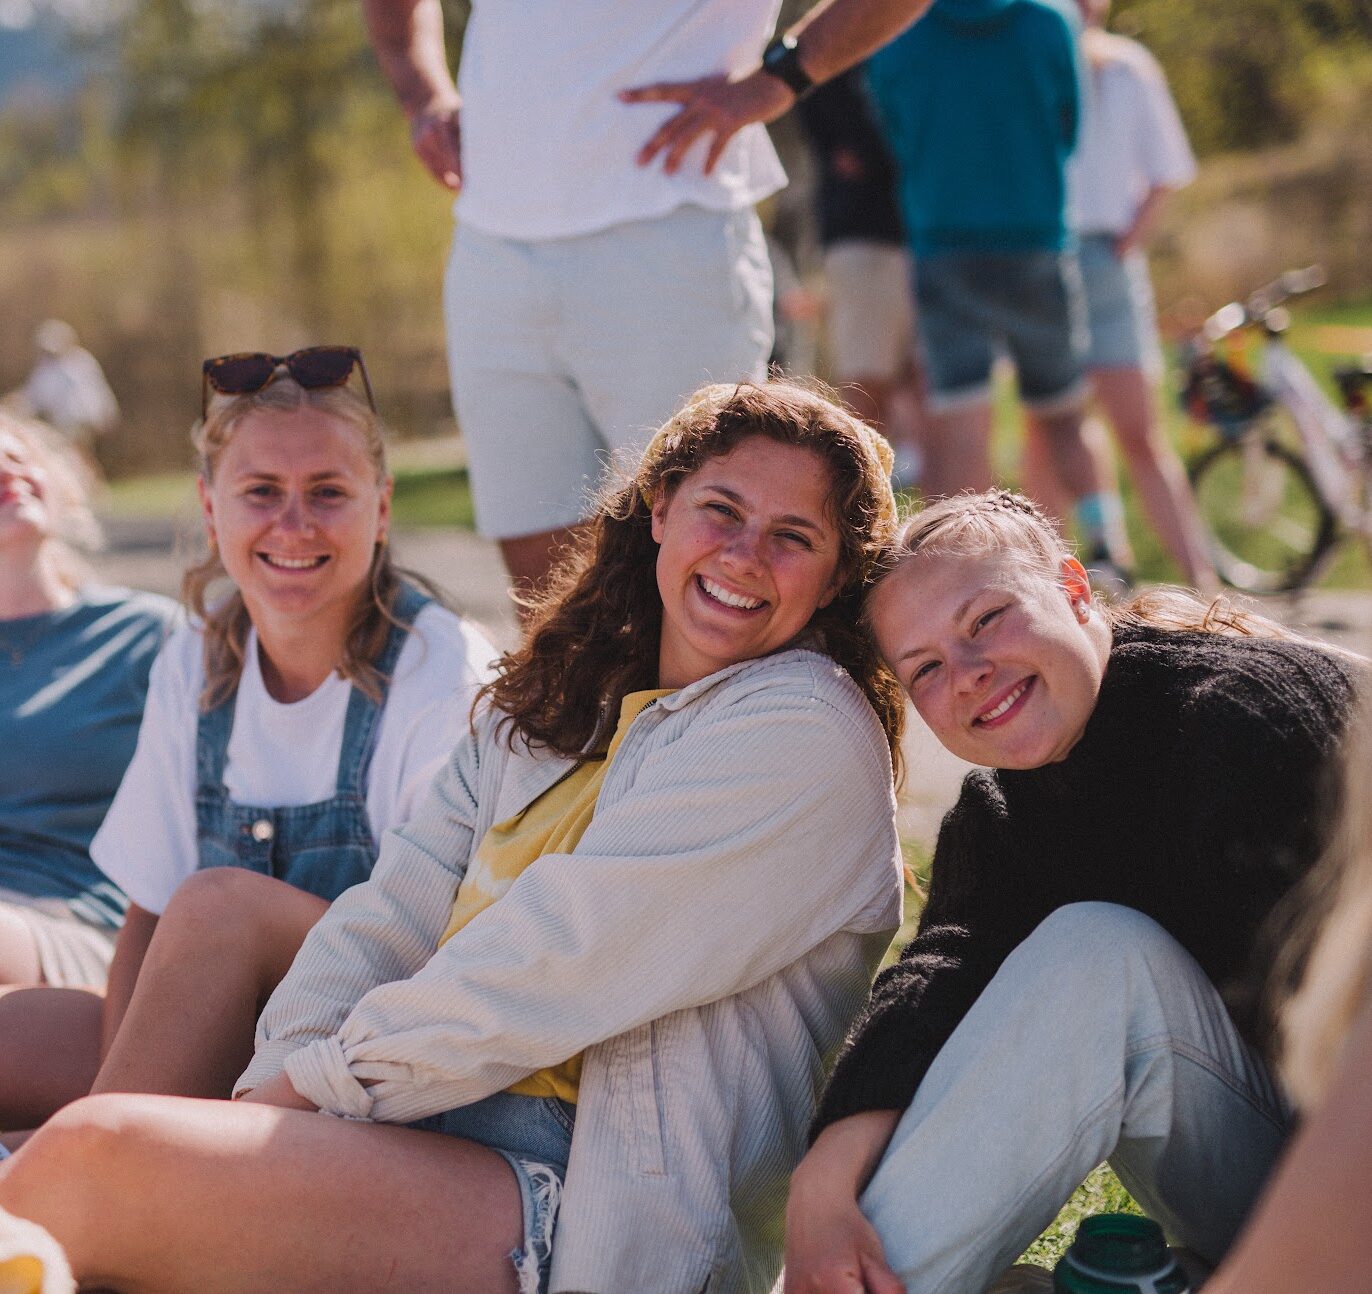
(1290, 475)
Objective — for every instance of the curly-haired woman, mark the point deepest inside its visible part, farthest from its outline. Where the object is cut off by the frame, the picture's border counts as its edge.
(632, 900)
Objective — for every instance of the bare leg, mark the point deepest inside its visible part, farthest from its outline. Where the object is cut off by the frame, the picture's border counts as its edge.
(155, 1193)
(1078, 470)
(529, 559)
(49, 1050)
(19, 962)
(225, 941)
(1127, 398)
(49, 1037)
(1038, 470)
(957, 450)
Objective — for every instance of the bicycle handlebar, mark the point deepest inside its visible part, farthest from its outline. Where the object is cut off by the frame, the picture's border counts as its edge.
(1258, 305)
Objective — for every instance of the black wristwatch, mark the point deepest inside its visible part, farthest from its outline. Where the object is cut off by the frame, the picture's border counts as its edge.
(781, 60)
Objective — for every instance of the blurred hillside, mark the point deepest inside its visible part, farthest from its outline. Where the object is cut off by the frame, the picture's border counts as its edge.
(220, 175)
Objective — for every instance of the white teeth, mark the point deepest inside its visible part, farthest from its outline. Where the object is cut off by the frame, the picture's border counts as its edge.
(292, 563)
(729, 599)
(1004, 705)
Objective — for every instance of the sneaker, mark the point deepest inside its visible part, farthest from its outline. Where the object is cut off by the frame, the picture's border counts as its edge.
(31, 1261)
(1108, 578)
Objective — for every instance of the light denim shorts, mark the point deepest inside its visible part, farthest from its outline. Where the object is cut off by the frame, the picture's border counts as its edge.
(567, 351)
(973, 306)
(1121, 317)
(534, 1136)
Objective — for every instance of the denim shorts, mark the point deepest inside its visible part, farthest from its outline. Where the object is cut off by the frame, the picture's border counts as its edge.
(973, 306)
(1120, 313)
(533, 1135)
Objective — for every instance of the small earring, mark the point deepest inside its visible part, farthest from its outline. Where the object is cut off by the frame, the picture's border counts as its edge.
(1083, 610)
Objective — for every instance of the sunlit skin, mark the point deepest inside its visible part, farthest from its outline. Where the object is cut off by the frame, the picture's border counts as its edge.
(748, 553)
(296, 511)
(1002, 661)
(24, 515)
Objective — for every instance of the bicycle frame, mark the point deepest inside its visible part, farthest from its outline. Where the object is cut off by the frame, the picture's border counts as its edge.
(1331, 442)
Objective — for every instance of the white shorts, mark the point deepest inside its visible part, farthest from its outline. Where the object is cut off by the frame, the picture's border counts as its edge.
(871, 311)
(72, 953)
(565, 351)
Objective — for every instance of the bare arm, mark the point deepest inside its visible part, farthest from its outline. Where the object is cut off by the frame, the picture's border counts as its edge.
(407, 36)
(830, 1247)
(1309, 1231)
(1140, 231)
(129, 951)
(833, 36)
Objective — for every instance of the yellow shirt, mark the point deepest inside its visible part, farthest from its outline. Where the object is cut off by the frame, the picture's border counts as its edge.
(553, 824)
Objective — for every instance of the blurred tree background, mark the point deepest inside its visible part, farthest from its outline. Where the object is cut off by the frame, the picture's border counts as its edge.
(232, 175)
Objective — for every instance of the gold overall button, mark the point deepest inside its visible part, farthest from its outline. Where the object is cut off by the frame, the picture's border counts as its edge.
(263, 830)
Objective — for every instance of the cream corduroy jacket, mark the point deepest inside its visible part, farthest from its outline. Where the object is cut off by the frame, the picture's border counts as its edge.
(706, 944)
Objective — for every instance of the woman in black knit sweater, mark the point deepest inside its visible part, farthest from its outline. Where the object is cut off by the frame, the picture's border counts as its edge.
(1084, 981)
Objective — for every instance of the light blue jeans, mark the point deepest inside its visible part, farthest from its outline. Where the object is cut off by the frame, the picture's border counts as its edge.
(1099, 1038)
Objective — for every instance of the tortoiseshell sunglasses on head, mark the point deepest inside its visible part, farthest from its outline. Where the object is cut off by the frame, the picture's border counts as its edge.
(313, 368)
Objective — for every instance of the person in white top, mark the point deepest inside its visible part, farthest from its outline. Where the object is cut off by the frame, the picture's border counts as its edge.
(67, 388)
(586, 295)
(641, 900)
(1133, 153)
(288, 726)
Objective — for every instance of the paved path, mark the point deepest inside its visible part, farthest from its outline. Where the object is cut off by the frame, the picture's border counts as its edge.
(144, 554)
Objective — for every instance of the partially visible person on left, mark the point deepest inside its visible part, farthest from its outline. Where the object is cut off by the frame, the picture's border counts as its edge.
(74, 664)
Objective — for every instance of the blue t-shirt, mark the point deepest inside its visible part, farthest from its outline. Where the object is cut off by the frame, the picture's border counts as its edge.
(72, 685)
(980, 101)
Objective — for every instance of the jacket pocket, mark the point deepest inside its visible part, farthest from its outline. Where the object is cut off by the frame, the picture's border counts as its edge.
(643, 1064)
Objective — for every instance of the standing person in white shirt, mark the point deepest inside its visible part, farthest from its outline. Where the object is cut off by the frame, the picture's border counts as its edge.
(585, 297)
(1133, 153)
(292, 722)
(589, 290)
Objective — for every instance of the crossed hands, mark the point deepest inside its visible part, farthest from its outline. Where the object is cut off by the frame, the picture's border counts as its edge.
(831, 1248)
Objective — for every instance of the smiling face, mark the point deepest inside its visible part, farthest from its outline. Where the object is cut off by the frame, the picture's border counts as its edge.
(748, 552)
(25, 509)
(296, 510)
(1002, 661)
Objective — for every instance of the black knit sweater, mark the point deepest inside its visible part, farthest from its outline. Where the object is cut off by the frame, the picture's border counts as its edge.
(1199, 793)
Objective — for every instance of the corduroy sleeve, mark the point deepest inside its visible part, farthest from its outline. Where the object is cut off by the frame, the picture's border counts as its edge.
(727, 859)
(979, 910)
(381, 930)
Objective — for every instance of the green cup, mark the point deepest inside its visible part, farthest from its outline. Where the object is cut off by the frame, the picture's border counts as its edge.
(1119, 1253)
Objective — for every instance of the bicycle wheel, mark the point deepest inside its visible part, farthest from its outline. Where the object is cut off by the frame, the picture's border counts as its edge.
(1268, 525)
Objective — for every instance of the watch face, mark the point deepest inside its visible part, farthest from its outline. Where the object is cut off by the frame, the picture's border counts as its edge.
(780, 60)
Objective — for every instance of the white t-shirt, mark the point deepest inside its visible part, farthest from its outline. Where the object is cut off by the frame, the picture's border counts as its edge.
(281, 755)
(548, 150)
(1132, 141)
(70, 392)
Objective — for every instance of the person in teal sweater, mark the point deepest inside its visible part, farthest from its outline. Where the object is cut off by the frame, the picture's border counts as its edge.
(981, 102)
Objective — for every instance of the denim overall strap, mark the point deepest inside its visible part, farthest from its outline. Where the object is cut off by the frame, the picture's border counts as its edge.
(362, 726)
(324, 847)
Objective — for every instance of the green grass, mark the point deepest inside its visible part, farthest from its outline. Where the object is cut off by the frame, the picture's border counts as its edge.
(1101, 1192)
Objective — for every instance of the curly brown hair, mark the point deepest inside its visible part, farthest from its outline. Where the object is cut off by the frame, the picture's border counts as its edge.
(594, 634)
